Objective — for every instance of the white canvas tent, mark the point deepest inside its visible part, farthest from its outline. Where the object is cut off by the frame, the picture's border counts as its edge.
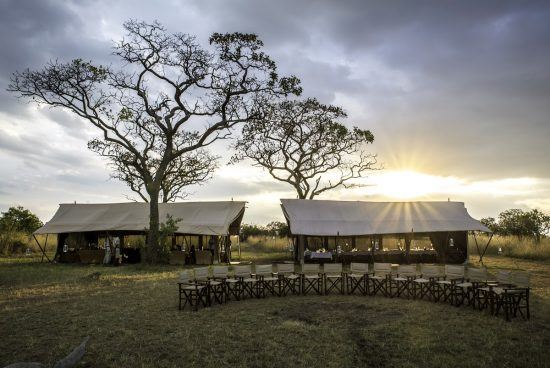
(439, 221)
(200, 218)
(356, 218)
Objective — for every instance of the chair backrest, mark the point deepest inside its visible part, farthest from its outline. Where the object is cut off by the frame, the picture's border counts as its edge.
(220, 272)
(242, 270)
(382, 268)
(477, 274)
(406, 270)
(311, 268)
(332, 268)
(504, 277)
(201, 273)
(359, 267)
(428, 270)
(453, 272)
(521, 279)
(264, 270)
(283, 268)
(185, 278)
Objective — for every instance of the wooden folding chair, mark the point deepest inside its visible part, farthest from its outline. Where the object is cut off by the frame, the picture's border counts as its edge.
(191, 292)
(312, 279)
(250, 286)
(513, 297)
(333, 277)
(234, 284)
(215, 288)
(267, 280)
(380, 279)
(445, 289)
(220, 274)
(356, 278)
(289, 280)
(403, 280)
(492, 295)
(468, 290)
(520, 294)
(425, 284)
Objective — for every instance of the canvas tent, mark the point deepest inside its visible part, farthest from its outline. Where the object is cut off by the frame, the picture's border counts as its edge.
(325, 218)
(217, 219)
(200, 218)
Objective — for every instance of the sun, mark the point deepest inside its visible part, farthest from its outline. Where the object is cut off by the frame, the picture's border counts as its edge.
(406, 184)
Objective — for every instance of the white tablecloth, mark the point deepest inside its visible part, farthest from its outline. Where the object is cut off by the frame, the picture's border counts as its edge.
(321, 255)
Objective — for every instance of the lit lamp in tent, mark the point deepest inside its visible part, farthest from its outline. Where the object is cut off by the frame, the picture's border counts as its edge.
(451, 242)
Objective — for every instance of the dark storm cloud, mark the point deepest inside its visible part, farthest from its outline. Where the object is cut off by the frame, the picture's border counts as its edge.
(477, 72)
(36, 31)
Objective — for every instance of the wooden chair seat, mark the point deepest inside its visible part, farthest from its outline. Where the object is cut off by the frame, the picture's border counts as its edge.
(400, 279)
(377, 277)
(421, 280)
(192, 287)
(312, 276)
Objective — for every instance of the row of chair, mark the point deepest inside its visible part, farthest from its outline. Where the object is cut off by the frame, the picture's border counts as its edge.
(507, 291)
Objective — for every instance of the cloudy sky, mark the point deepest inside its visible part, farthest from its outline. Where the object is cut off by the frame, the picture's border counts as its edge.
(457, 95)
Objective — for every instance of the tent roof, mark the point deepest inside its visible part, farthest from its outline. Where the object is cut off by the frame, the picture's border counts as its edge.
(353, 218)
(204, 218)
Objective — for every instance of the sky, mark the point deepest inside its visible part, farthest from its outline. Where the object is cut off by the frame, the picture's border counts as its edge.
(456, 93)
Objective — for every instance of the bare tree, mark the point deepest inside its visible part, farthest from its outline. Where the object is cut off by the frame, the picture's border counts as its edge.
(169, 97)
(302, 144)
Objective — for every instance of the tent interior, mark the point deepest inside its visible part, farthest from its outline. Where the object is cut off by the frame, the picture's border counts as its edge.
(116, 232)
(396, 232)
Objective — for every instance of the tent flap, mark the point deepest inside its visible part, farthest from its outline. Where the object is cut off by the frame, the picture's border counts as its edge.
(201, 218)
(356, 218)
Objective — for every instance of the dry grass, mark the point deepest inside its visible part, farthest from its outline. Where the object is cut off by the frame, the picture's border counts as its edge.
(131, 315)
(511, 246)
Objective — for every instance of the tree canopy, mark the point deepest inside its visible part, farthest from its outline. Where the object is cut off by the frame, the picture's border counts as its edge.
(168, 99)
(520, 223)
(19, 219)
(302, 143)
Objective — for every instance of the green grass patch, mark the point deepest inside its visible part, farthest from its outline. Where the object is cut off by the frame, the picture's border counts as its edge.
(131, 314)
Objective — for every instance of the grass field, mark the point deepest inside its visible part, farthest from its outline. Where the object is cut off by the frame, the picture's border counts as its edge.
(131, 315)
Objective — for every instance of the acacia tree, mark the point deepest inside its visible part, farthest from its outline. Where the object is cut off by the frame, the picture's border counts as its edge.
(302, 144)
(169, 97)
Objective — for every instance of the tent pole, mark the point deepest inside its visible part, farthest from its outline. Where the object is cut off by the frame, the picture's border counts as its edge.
(239, 244)
(45, 246)
(477, 246)
(484, 250)
(40, 247)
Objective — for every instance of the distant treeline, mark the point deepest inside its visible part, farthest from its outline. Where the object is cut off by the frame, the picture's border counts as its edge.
(274, 228)
(515, 222)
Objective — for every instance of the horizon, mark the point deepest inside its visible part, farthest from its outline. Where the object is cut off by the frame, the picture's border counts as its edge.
(456, 96)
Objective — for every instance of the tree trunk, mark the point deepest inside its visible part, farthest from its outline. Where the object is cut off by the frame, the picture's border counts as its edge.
(153, 238)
